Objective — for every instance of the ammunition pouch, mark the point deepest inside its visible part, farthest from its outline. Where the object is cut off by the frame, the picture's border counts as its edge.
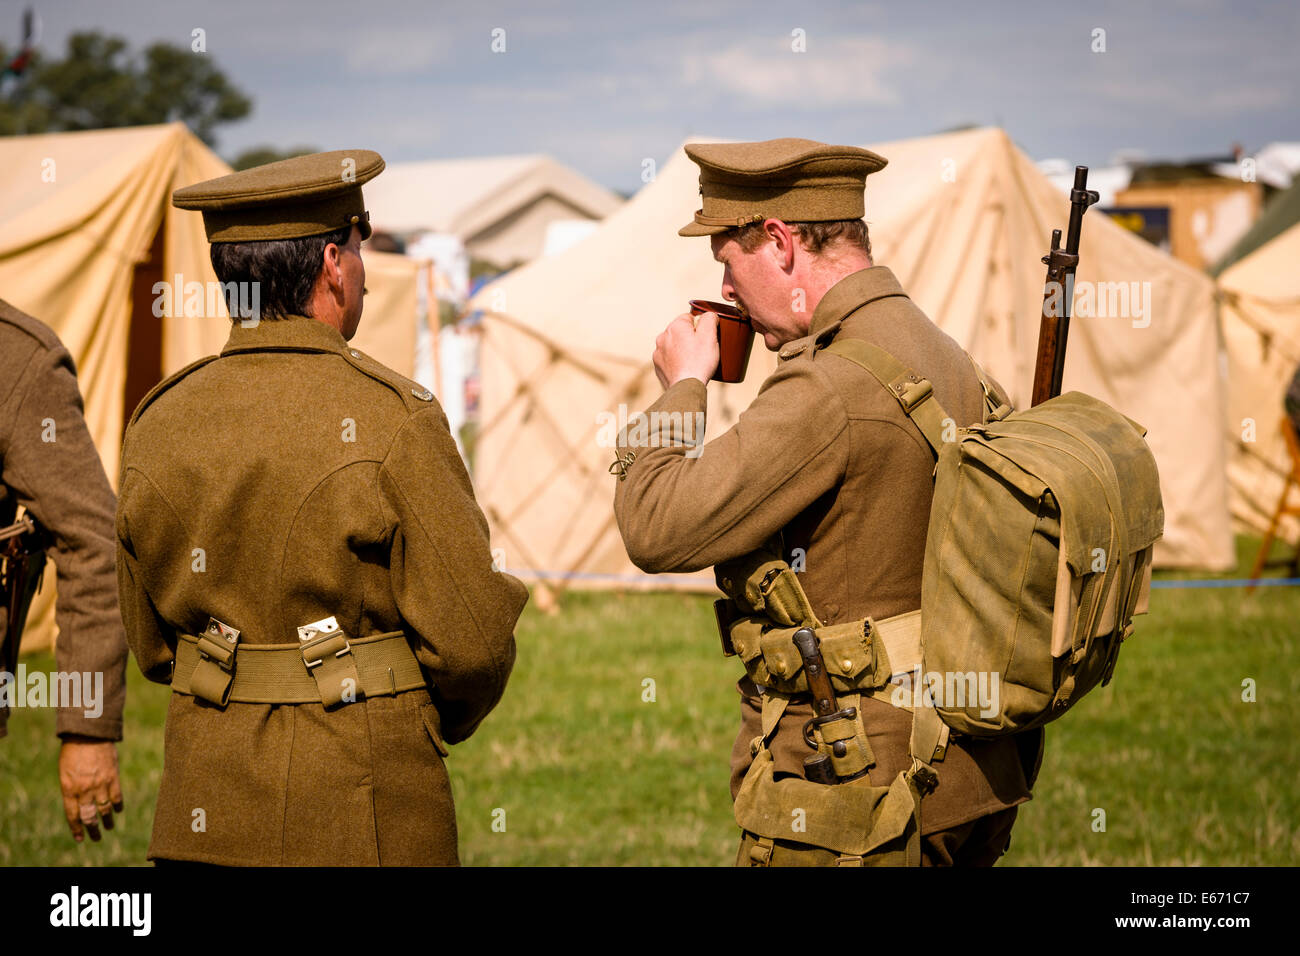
(794, 821)
(763, 584)
(861, 656)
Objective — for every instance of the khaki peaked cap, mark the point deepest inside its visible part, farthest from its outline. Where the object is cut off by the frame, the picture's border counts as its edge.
(795, 180)
(289, 199)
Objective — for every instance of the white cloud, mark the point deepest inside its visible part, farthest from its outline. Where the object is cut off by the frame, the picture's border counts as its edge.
(394, 51)
(1185, 99)
(833, 72)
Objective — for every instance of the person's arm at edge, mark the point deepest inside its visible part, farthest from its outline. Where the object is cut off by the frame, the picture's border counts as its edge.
(442, 573)
(55, 470)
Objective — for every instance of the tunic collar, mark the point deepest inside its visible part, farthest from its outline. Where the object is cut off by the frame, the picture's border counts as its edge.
(295, 333)
(842, 300)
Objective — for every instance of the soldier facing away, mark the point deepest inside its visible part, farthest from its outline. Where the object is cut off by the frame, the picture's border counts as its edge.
(300, 554)
(815, 505)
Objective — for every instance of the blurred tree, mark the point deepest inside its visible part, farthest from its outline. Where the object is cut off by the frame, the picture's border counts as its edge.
(261, 155)
(99, 84)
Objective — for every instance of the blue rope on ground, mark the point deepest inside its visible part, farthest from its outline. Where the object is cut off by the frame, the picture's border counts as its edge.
(1227, 583)
(634, 579)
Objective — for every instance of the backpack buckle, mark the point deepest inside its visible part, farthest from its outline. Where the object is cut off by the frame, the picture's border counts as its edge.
(912, 391)
(924, 777)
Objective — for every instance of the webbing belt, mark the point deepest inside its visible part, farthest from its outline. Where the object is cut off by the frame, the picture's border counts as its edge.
(900, 635)
(278, 673)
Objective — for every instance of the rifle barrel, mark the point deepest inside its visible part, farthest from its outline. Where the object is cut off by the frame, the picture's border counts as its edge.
(1054, 328)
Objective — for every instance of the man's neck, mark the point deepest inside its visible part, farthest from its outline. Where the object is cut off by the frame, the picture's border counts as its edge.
(829, 272)
(323, 308)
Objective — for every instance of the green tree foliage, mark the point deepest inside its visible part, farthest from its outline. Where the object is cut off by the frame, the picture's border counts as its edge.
(261, 155)
(99, 83)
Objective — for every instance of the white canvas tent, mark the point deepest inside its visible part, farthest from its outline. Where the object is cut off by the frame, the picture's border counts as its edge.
(1260, 314)
(961, 218)
(87, 228)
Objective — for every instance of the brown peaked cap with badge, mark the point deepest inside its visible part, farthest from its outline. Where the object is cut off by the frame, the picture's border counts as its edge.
(289, 199)
(795, 180)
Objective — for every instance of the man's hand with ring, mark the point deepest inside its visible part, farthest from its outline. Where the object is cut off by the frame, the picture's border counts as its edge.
(688, 348)
(89, 781)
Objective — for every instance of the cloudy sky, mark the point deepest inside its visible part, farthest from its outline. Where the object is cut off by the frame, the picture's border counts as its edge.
(604, 86)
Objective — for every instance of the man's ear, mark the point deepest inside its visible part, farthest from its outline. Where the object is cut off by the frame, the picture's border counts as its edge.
(332, 268)
(782, 242)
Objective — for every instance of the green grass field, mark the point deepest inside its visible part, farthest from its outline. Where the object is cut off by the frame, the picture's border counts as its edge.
(588, 771)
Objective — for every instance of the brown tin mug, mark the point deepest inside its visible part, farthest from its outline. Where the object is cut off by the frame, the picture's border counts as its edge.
(735, 338)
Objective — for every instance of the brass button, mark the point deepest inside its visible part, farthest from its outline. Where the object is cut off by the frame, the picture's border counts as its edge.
(846, 665)
(354, 353)
(779, 667)
(423, 394)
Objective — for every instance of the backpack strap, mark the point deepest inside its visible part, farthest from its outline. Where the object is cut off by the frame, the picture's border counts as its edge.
(914, 394)
(997, 405)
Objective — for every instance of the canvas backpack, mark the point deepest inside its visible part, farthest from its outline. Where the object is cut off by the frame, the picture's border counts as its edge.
(1038, 552)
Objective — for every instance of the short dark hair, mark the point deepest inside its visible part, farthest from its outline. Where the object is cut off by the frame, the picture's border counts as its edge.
(285, 270)
(813, 236)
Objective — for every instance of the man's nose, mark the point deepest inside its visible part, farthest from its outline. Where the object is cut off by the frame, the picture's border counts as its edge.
(728, 290)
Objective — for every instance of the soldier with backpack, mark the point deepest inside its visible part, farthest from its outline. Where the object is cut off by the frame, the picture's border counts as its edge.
(815, 510)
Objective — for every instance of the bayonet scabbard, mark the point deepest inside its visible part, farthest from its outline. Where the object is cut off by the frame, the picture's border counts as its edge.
(819, 767)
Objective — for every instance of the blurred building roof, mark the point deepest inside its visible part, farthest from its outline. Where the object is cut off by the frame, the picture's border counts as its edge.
(1106, 180)
(1277, 164)
(1282, 212)
(466, 196)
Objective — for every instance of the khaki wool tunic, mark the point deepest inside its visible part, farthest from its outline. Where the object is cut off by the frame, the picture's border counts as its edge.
(289, 479)
(825, 457)
(49, 464)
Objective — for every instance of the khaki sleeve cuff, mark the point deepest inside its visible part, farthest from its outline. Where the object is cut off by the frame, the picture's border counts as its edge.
(100, 728)
(675, 420)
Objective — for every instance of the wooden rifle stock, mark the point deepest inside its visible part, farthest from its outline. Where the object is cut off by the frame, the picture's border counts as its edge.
(1058, 294)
